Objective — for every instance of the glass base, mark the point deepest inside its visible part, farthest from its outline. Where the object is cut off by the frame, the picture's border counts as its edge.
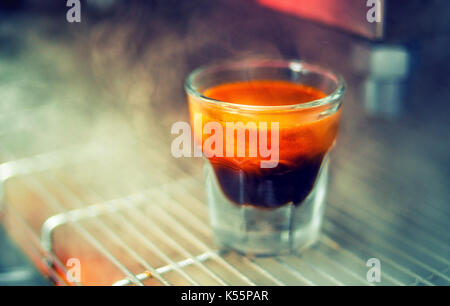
(257, 231)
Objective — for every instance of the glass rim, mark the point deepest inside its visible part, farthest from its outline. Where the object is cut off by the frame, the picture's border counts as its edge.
(293, 65)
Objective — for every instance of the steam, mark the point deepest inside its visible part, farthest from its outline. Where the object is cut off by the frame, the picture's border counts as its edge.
(117, 82)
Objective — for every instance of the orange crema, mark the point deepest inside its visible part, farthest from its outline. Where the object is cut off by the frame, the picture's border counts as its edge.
(305, 136)
(264, 93)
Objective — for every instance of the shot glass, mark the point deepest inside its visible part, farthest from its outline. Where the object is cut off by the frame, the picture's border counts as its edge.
(271, 201)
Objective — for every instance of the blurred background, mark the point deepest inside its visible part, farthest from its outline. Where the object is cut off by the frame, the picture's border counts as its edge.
(85, 115)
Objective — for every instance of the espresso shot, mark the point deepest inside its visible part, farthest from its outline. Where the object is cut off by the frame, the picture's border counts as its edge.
(256, 209)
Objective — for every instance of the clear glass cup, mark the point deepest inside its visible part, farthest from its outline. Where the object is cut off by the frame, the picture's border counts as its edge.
(267, 210)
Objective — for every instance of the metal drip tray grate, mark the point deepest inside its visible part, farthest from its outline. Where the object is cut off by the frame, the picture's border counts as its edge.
(145, 222)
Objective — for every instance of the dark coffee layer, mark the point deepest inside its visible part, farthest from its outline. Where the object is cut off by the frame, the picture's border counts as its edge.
(269, 188)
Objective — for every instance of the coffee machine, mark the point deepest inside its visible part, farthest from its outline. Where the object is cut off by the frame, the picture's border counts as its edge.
(393, 42)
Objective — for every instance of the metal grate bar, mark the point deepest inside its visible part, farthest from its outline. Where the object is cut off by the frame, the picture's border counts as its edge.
(50, 199)
(329, 242)
(309, 263)
(410, 218)
(388, 180)
(366, 213)
(187, 262)
(48, 258)
(44, 162)
(264, 272)
(204, 227)
(164, 177)
(173, 204)
(185, 252)
(186, 193)
(320, 255)
(323, 273)
(113, 204)
(397, 251)
(295, 272)
(398, 239)
(350, 237)
(68, 194)
(90, 214)
(185, 232)
(128, 203)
